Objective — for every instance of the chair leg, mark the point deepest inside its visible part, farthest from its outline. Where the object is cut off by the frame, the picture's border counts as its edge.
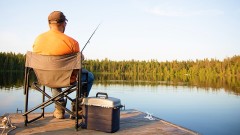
(79, 94)
(45, 103)
(43, 100)
(26, 93)
(26, 106)
(50, 101)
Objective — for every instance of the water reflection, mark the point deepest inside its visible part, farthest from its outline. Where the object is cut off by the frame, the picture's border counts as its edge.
(10, 80)
(230, 84)
(200, 104)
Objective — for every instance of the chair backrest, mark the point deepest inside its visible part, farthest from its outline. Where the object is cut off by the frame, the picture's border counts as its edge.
(53, 71)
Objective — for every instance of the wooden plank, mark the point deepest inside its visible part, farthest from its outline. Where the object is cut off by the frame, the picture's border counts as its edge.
(131, 122)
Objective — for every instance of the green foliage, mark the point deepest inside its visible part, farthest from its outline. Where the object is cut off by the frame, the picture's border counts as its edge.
(202, 73)
(201, 68)
(11, 61)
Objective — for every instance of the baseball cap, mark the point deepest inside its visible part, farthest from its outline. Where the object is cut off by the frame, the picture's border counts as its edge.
(56, 17)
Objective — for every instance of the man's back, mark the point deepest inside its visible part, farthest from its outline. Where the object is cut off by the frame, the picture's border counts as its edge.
(54, 42)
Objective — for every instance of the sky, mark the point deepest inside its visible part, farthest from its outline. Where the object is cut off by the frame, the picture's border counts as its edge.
(162, 30)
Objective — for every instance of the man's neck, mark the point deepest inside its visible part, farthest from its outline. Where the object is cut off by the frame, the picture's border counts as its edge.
(55, 28)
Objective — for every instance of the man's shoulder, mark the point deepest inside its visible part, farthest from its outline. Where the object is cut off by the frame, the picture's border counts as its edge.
(70, 39)
(43, 34)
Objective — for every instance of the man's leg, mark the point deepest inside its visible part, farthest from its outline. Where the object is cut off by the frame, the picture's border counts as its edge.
(89, 86)
(90, 80)
(59, 112)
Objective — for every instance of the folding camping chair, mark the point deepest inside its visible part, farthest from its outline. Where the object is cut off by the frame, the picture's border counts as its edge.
(53, 72)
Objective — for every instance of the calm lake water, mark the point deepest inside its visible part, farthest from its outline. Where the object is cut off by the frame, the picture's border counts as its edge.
(207, 111)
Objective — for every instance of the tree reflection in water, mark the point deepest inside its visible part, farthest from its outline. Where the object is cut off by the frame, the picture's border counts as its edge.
(230, 84)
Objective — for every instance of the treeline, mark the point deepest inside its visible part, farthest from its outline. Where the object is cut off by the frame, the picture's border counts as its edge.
(12, 61)
(227, 67)
(208, 67)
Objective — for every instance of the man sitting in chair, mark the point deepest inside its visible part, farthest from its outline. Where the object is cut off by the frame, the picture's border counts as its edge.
(55, 42)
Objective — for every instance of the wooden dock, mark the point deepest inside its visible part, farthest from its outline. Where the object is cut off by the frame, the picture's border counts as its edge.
(131, 122)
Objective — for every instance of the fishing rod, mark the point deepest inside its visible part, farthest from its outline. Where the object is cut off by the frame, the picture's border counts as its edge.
(81, 93)
(90, 37)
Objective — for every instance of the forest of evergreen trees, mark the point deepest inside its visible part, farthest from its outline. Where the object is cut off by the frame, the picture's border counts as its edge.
(11, 61)
(206, 67)
(202, 73)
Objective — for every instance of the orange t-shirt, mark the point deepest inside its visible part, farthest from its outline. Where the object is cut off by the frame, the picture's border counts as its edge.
(54, 42)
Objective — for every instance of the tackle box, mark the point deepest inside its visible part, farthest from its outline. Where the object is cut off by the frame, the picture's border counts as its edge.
(101, 113)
